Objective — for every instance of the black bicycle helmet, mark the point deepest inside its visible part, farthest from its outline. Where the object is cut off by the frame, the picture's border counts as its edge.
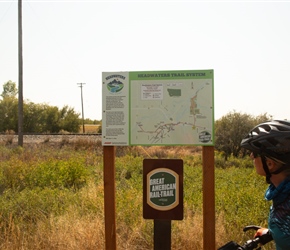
(271, 139)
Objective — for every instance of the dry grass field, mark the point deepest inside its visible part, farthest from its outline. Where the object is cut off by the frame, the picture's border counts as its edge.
(52, 196)
(90, 128)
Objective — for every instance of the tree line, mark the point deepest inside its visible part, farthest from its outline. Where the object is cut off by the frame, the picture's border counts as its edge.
(42, 118)
(37, 118)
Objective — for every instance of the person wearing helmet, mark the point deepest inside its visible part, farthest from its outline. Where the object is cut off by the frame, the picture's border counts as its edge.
(269, 144)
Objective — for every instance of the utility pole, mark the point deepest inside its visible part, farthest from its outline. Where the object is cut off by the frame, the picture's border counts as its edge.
(81, 86)
(20, 76)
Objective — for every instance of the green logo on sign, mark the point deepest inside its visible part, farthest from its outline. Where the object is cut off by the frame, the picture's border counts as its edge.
(162, 189)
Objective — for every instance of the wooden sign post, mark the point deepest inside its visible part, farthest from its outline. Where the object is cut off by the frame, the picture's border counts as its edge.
(110, 197)
(162, 197)
(208, 198)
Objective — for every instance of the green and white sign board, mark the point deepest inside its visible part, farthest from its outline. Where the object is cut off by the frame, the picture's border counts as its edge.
(158, 108)
(163, 189)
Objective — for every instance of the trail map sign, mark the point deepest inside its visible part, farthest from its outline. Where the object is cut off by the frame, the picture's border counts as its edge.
(158, 108)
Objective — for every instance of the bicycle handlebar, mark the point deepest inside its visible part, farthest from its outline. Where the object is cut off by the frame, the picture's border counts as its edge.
(250, 244)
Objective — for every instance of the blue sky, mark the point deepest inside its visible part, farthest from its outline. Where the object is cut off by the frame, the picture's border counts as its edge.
(247, 43)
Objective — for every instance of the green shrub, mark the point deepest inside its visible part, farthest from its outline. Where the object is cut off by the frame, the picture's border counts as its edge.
(18, 175)
(58, 174)
(13, 174)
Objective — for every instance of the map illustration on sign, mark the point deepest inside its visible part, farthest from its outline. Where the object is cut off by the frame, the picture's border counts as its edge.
(171, 112)
(158, 108)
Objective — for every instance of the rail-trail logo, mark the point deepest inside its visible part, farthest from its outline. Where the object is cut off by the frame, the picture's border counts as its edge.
(115, 85)
(204, 136)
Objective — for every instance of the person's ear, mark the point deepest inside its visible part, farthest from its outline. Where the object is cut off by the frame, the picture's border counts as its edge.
(271, 164)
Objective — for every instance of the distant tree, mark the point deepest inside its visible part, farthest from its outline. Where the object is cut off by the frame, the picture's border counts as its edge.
(40, 118)
(32, 119)
(37, 118)
(261, 118)
(8, 114)
(69, 120)
(232, 128)
(52, 118)
(89, 121)
(9, 89)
